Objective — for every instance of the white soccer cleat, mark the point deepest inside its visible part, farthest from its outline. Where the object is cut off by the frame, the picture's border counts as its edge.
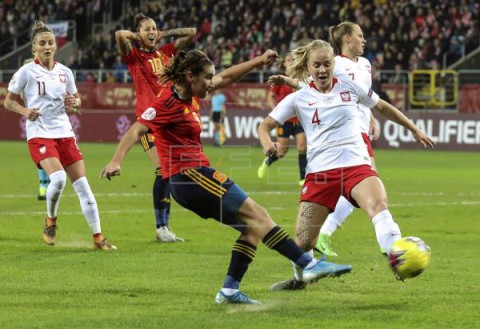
(163, 234)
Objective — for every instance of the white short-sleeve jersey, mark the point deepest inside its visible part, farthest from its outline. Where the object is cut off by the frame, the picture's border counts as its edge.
(360, 72)
(45, 90)
(331, 123)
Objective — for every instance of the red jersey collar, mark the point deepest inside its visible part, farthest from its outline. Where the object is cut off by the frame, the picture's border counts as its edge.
(312, 84)
(36, 61)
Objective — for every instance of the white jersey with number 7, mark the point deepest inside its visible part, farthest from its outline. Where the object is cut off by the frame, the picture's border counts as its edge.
(360, 72)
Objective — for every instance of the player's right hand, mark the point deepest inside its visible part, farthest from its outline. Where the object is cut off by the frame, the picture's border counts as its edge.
(110, 170)
(33, 115)
(271, 149)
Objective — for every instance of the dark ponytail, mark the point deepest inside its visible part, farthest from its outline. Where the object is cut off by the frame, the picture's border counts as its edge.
(139, 18)
(194, 61)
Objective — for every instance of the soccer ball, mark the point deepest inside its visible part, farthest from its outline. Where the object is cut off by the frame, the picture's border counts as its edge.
(409, 257)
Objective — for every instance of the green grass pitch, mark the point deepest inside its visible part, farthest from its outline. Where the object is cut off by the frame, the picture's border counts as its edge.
(145, 284)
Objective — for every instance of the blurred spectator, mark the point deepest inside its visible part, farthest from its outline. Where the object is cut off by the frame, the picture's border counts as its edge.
(415, 33)
(109, 78)
(90, 78)
(472, 37)
(4, 33)
(120, 69)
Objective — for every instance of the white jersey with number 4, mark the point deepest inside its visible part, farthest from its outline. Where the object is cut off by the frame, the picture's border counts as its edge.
(45, 90)
(360, 72)
(331, 123)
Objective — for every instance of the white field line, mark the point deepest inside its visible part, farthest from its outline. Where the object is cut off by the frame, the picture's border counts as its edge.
(149, 210)
(135, 194)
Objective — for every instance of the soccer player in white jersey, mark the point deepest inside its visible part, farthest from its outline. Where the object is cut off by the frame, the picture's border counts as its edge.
(43, 179)
(338, 161)
(49, 90)
(348, 44)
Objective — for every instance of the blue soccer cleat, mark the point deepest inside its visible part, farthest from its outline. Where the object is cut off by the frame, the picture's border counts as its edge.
(237, 298)
(324, 269)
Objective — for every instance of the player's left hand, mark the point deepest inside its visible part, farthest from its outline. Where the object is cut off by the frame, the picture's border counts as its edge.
(423, 139)
(110, 170)
(374, 130)
(71, 104)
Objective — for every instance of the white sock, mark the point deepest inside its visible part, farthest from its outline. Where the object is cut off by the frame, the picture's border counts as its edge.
(229, 291)
(298, 271)
(343, 209)
(58, 180)
(386, 229)
(88, 204)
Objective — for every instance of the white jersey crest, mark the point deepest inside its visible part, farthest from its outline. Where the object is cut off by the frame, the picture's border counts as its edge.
(46, 91)
(331, 123)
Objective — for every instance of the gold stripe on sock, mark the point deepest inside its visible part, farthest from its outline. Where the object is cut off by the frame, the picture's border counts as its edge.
(277, 237)
(245, 250)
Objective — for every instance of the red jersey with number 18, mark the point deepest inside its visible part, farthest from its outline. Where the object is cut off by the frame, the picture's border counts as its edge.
(145, 68)
(176, 125)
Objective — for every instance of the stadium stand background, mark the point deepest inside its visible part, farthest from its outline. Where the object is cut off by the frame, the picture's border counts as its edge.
(402, 36)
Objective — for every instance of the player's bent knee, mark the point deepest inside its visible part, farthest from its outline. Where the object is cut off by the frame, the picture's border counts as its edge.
(252, 213)
(58, 179)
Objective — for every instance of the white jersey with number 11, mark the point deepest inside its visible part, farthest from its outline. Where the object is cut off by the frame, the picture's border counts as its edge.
(45, 90)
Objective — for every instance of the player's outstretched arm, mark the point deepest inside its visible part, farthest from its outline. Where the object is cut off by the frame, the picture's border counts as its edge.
(393, 114)
(132, 135)
(236, 72)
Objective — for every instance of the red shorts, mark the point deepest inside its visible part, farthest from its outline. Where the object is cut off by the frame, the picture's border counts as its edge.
(325, 187)
(366, 139)
(64, 149)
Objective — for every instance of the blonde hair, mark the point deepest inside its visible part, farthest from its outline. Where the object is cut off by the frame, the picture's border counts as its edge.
(336, 33)
(38, 28)
(298, 70)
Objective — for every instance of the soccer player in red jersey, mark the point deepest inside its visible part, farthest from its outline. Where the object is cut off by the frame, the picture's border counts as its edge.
(145, 64)
(290, 128)
(175, 120)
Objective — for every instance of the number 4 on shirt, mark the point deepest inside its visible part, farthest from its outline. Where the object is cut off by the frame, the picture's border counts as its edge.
(316, 118)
